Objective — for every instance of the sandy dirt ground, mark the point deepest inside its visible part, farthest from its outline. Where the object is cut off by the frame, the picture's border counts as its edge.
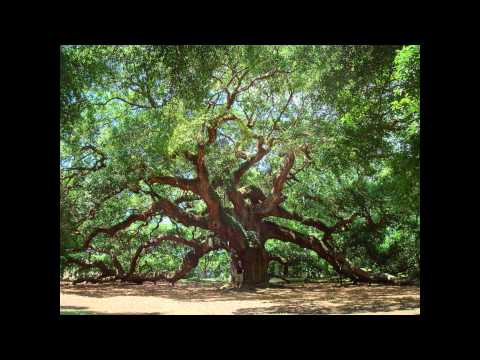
(209, 299)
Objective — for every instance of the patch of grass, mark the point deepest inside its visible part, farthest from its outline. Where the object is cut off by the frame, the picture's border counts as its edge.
(295, 280)
(215, 280)
(74, 312)
(204, 280)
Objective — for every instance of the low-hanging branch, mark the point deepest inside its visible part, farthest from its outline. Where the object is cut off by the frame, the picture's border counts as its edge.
(83, 265)
(321, 247)
(156, 242)
(162, 205)
(189, 262)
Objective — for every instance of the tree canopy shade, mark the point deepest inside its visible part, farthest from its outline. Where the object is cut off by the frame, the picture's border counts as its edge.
(171, 152)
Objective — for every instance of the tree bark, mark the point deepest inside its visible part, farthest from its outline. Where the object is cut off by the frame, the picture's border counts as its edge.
(250, 268)
(324, 250)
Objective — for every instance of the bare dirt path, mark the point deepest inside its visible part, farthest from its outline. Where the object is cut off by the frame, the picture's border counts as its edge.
(209, 299)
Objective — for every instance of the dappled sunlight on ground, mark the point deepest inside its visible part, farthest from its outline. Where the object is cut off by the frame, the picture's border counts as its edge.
(206, 299)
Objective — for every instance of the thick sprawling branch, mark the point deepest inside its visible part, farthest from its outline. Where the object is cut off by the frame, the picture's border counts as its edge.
(181, 183)
(173, 211)
(306, 163)
(216, 123)
(235, 196)
(275, 197)
(326, 251)
(281, 178)
(155, 242)
(321, 247)
(205, 190)
(83, 265)
(200, 186)
(190, 261)
(162, 205)
(281, 212)
(186, 199)
(243, 168)
(111, 231)
(254, 194)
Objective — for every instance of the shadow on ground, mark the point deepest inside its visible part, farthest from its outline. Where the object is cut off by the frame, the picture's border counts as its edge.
(75, 310)
(342, 306)
(83, 310)
(312, 298)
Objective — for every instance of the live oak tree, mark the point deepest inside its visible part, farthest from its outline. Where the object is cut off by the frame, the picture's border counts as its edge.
(192, 149)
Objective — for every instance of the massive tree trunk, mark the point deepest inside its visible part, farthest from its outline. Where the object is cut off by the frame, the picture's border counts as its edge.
(249, 269)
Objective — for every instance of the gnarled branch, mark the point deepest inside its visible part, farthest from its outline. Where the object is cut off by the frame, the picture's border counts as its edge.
(181, 183)
(275, 197)
(236, 196)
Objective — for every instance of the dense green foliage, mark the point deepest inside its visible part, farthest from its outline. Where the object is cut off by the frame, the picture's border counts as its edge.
(131, 112)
